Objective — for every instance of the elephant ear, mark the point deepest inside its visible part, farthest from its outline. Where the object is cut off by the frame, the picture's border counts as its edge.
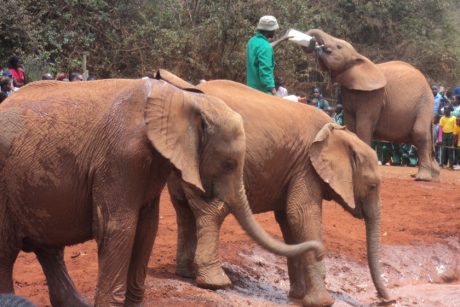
(364, 75)
(175, 121)
(333, 162)
(171, 78)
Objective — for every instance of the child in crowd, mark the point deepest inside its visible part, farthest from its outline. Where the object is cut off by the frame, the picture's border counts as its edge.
(457, 143)
(447, 123)
(6, 86)
(437, 137)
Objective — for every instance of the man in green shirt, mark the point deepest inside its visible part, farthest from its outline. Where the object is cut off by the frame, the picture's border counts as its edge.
(260, 63)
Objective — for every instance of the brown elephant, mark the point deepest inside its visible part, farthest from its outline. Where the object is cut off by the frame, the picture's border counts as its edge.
(90, 159)
(295, 158)
(390, 101)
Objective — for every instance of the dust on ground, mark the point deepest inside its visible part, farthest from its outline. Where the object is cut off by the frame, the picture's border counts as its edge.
(420, 256)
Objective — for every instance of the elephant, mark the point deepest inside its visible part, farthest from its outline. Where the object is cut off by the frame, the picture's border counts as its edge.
(295, 158)
(88, 160)
(391, 101)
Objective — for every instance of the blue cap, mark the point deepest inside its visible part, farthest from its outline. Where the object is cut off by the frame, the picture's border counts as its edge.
(7, 73)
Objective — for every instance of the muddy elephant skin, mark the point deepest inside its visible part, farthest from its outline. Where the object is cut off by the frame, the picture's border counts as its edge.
(89, 160)
(295, 158)
(390, 101)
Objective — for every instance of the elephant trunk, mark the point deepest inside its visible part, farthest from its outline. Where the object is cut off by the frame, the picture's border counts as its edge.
(241, 210)
(373, 248)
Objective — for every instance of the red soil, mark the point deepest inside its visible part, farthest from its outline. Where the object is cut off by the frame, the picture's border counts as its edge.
(420, 254)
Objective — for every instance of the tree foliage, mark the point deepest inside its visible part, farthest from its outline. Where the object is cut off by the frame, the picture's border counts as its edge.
(206, 39)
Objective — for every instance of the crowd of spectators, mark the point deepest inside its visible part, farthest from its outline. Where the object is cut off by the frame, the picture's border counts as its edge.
(446, 127)
(446, 115)
(13, 77)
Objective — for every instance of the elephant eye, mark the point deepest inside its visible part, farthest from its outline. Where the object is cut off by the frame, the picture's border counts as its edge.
(339, 46)
(229, 165)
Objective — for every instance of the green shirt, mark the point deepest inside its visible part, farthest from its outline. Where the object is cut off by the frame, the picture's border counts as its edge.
(260, 64)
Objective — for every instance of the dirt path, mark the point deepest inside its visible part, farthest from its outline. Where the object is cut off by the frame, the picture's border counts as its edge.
(420, 256)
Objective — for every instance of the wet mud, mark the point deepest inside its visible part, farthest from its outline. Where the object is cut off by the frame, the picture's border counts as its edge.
(420, 256)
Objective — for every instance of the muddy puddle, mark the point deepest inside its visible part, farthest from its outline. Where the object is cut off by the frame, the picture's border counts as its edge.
(426, 275)
(420, 234)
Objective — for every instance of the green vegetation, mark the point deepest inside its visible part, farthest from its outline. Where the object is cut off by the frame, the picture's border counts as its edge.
(206, 38)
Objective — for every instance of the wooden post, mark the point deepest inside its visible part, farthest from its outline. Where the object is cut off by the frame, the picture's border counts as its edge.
(83, 67)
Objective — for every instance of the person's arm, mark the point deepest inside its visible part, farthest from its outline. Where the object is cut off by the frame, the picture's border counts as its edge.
(441, 122)
(265, 57)
(284, 38)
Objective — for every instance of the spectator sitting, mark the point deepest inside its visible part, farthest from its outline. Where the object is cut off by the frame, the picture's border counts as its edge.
(47, 76)
(17, 71)
(329, 111)
(280, 90)
(6, 86)
(75, 76)
(338, 115)
(61, 77)
(148, 75)
(2, 97)
(318, 100)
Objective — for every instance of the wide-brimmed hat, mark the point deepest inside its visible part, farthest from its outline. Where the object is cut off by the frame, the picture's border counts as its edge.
(267, 23)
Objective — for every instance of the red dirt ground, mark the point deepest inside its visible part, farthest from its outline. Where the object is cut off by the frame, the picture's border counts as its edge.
(420, 255)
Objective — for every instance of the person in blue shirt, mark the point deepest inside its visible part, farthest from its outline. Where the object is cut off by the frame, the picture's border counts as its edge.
(437, 100)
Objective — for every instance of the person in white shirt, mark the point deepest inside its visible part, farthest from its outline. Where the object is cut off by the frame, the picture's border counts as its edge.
(280, 90)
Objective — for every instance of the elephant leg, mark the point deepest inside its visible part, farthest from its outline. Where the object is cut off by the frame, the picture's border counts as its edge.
(349, 120)
(304, 219)
(365, 128)
(186, 233)
(145, 237)
(115, 222)
(297, 282)
(61, 288)
(428, 168)
(209, 218)
(9, 250)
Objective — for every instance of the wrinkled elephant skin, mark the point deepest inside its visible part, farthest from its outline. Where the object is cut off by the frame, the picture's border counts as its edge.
(89, 160)
(295, 158)
(390, 101)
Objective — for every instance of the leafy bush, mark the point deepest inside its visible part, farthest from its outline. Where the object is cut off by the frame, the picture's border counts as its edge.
(206, 39)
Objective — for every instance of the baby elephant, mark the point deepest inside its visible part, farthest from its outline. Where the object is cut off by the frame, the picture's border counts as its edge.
(88, 160)
(295, 158)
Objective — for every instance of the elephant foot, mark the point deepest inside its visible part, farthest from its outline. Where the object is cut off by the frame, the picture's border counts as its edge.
(185, 271)
(213, 279)
(133, 304)
(317, 299)
(72, 303)
(422, 176)
(426, 174)
(297, 290)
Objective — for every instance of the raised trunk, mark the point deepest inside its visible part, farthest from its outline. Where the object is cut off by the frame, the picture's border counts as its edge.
(373, 248)
(241, 210)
